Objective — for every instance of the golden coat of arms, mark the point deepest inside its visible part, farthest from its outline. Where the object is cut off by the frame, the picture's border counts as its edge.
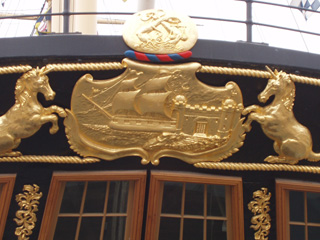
(154, 110)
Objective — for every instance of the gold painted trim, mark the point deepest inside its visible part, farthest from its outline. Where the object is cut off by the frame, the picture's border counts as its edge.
(50, 159)
(62, 67)
(261, 219)
(28, 202)
(235, 71)
(256, 73)
(257, 167)
(15, 69)
(100, 66)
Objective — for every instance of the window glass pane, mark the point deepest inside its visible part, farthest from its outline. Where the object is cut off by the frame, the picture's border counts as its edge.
(216, 230)
(66, 228)
(169, 228)
(172, 194)
(194, 199)
(90, 228)
(296, 232)
(296, 206)
(313, 205)
(216, 200)
(114, 228)
(118, 197)
(95, 197)
(192, 229)
(72, 197)
(313, 233)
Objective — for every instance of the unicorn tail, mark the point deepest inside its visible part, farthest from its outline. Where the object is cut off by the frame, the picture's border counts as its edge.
(314, 157)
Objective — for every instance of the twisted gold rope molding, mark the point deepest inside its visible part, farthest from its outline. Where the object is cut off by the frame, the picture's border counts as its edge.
(257, 167)
(50, 159)
(62, 67)
(103, 66)
(15, 69)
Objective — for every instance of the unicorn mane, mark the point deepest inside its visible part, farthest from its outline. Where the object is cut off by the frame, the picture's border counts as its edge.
(288, 99)
(21, 85)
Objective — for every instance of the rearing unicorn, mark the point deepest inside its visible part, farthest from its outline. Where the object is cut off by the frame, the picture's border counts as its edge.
(292, 140)
(27, 115)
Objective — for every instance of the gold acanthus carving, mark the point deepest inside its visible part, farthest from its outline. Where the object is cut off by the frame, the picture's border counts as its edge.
(26, 218)
(261, 221)
(292, 140)
(27, 115)
(152, 111)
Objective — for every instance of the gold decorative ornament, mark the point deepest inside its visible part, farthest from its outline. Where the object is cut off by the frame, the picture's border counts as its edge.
(28, 202)
(99, 66)
(261, 219)
(15, 69)
(292, 140)
(50, 159)
(27, 115)
(160, 32)
(152, 111)
(232, 166)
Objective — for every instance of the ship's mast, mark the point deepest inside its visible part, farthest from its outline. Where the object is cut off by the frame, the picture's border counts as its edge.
(145, 4)
(84, 24)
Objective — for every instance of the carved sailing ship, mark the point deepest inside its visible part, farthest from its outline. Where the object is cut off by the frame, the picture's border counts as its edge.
(155, 110)
(151, 101)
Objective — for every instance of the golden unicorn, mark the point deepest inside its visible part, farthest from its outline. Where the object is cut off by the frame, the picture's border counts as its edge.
(27, 115)
(292, 140)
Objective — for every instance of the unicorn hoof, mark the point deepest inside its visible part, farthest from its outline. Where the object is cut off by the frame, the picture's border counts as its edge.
(11, 154)
(53, 130)
(247, 128)
(272, 159)
(62, 114)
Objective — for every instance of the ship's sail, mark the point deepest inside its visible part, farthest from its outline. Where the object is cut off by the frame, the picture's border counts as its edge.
(150, 98)
(153, 103)
(155, 85)
(124, 101)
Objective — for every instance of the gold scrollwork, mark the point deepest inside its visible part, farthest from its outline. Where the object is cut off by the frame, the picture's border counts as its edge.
(28, 202)
(261, 219)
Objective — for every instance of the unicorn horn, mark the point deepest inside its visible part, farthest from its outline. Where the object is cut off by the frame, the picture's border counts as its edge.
(46, 70)
(272, 73)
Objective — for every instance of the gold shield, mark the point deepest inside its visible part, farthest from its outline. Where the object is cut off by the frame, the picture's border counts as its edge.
(152, 111)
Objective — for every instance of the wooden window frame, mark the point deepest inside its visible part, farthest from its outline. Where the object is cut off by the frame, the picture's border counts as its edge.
(56, 193)
(7, 184)
(282, 202)
(154, 201)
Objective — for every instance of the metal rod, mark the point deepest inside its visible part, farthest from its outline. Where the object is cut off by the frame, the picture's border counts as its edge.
(194, 17)
(281, 5)
(66, 15)
(249, 21)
